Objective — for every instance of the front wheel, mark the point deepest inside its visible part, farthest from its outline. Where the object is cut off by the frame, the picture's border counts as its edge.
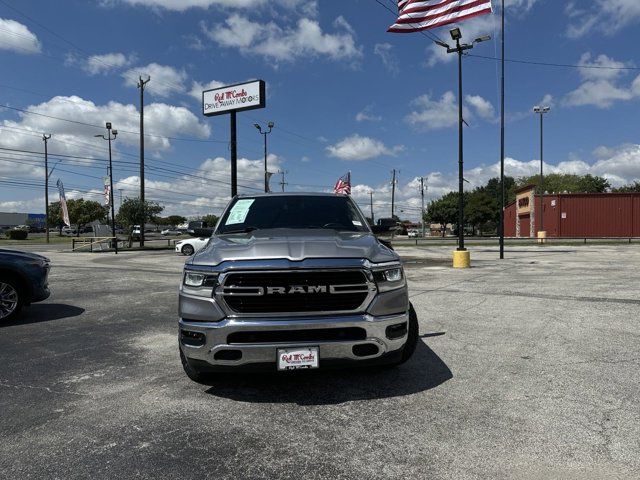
(187, 250)
(412, 337)
(193, 373)
(10, 299)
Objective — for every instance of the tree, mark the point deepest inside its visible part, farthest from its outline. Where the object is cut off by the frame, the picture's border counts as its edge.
(82, 212)
(443, 210)
(565, 182)
(131, 213)
(55, 217)
(210, 219)
(481, 209)
(175, 220)
(632, 188)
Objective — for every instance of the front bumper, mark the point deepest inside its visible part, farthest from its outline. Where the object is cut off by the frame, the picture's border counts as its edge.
(331, 352)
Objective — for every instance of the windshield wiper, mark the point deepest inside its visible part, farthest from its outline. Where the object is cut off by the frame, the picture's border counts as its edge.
(239, 230)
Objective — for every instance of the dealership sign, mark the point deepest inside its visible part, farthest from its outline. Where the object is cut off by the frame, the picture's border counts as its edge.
(233, 98)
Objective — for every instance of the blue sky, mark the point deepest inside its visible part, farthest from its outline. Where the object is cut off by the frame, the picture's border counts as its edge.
(343, 93)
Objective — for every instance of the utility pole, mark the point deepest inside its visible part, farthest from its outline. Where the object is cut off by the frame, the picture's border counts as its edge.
(422, 197)
(373, 220)
(113, 209)
(393, 193)
(141, 85)
(283, 183)
(45, 138)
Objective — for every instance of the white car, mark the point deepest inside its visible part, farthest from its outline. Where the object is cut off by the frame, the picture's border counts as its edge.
(190, 246)
(413, 234)
(171, 231)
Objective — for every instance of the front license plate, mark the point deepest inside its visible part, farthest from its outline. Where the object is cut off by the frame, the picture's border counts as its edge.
(296, 358)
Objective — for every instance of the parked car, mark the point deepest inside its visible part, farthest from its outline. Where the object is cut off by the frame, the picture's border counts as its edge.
(190, 246)
(71, 231)
(413, 233)
(23, 280)
(172, 232)
(135, 232)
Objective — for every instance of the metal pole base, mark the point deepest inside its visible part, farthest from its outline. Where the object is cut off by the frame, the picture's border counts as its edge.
(461, 259)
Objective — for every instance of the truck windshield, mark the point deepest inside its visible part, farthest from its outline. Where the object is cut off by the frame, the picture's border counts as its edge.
(294, 211)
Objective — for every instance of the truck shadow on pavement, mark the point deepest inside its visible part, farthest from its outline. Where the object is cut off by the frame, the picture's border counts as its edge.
(424, 371)
(44, 312)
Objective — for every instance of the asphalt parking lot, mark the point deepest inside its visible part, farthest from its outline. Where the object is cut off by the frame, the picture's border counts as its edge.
(526, 369)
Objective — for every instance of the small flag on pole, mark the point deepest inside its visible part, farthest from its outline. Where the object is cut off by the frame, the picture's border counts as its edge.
(343, 185)
(63, 204)
(418, 15)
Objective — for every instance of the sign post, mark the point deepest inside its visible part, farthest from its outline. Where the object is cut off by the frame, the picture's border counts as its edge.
(232, 99)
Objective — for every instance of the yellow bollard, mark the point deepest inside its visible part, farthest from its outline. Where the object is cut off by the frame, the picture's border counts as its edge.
(542, 237)
(461, 259)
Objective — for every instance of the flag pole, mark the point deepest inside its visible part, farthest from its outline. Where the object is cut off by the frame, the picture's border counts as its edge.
(502, 192)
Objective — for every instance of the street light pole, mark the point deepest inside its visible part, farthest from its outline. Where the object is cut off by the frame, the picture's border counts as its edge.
(46, 138)
(270, 125)
(113, 210)
(541, 111)
(459, 49)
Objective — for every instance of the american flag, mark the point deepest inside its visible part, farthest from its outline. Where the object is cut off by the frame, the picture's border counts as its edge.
(343, 185)
(63, 204)
(417, 15)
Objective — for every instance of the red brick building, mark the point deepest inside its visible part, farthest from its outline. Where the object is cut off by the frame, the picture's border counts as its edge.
(573, 214)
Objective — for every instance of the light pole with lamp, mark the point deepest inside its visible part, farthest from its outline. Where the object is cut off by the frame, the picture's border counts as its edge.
(461, 257)
(113, 210)
(541, 111)
(270, 125)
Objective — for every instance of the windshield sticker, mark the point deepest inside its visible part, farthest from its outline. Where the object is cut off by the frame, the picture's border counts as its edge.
(239, 212)
(356, 223)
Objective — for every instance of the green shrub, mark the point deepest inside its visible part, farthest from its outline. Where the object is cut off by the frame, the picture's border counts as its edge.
(17, 234)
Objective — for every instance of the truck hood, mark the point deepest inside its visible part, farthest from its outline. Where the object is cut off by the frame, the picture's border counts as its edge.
(293, 245)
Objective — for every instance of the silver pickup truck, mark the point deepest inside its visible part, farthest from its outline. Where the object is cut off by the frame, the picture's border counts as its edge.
(293, 281)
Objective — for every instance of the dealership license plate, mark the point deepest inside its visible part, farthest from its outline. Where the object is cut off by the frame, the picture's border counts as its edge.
(297, 358)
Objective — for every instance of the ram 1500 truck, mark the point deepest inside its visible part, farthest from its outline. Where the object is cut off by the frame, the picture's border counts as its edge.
(292, 281)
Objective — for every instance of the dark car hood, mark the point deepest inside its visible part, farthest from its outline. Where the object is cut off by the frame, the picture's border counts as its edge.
(17, 254)
(293, 245)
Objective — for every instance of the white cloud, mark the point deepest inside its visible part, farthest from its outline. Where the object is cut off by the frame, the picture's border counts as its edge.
(17, 37)
(356, 147)
(601, 67)
(165, 80)
(108, 62)
(383, 50)
(305, 39)
(482, 107)
(433, 114)
(197, 88)
(207, 194)
(604, 16)
(601, 85)
(599, 93)
(307, 6)
(367, 115)
(72, 138)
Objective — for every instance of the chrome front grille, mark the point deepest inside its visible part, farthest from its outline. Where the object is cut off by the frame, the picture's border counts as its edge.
(295, 292)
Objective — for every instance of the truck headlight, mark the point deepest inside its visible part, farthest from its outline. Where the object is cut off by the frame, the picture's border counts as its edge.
(389, 279)
(194, 279)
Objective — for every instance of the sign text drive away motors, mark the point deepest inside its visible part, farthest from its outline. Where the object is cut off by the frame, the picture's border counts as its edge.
(243, 96)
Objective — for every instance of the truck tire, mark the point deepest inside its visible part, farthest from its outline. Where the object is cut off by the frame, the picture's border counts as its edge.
(193, 373)
(11, 299)
(412, 337)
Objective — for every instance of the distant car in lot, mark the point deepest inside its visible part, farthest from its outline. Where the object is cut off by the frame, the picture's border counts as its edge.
(413, 233)
(68, 231)
(23, 280)
(172, 232)
(190, 246)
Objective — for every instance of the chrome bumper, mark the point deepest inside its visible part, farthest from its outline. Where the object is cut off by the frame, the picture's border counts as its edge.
(263, 353)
